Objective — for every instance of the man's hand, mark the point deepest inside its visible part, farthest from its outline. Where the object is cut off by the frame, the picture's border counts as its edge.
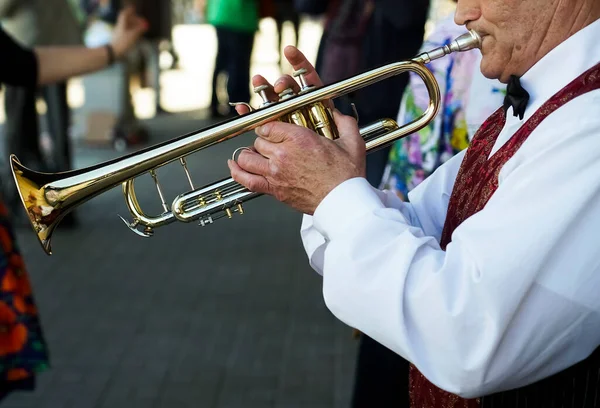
(294, 164)
(128, 30)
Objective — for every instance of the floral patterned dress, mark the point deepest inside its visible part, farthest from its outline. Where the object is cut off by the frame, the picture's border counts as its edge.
(23, 350)
(467, 100)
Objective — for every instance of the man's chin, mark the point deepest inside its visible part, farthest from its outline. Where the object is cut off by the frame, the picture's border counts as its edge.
(489, 69)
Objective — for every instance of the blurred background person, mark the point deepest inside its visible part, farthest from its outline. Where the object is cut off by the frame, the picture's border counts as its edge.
(394, 32)
(342, 50)
(157, 39)
(285, 11)
(100, 21)
(23, 349)
(468, 99)
(235, 23)
(38, 23)
(326, 9)
(360, 35)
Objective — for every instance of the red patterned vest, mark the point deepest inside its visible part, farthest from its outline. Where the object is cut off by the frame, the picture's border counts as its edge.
(475, 183)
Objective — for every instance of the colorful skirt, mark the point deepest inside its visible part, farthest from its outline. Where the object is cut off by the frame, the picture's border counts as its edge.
(23, 349)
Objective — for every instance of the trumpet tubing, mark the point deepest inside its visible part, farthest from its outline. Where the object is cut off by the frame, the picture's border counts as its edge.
(48, 197)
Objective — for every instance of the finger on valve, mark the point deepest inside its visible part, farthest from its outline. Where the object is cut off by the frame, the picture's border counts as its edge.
(302, 65)
(261, 87)
(298, 61)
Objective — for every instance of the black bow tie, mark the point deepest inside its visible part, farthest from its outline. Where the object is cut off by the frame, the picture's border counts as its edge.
(516, 96)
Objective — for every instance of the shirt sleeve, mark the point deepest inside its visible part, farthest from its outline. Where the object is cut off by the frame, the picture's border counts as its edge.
(19, 66)
(512, 300)
(421, 212)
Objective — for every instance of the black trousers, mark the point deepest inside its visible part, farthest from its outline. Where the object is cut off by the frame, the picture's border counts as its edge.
(59, 121)
(234, 55)
(381, 378)
(22, 128)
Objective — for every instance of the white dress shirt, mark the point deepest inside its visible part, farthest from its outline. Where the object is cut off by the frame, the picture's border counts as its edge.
(516, 295)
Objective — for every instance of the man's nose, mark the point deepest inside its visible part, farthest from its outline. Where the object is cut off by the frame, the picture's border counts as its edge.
(466, 11)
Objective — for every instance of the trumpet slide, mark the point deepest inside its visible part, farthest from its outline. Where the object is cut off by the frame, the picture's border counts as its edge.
(48, 197)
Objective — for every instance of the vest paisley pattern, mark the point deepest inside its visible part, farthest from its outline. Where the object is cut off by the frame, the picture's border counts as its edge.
(476, 182)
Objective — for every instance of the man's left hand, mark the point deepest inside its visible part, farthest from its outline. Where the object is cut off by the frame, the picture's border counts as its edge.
(299, 167)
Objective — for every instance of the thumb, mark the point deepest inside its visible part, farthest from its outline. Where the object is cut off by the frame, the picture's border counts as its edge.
(349, 132)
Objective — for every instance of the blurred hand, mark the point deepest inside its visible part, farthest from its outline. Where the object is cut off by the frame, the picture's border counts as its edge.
(200, 6)
(128, 31)
(292, 163)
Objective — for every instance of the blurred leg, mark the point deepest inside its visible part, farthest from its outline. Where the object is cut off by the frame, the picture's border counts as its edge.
(219, 67)
(58, 123)
(238, 85)
(151, 52)
(21, 130)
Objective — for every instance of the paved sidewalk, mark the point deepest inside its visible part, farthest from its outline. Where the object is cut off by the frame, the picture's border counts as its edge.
(229, 315)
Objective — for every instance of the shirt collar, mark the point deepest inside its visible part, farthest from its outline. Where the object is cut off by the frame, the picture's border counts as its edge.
(560, 66)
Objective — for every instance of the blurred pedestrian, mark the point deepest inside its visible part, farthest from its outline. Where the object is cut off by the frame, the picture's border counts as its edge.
(285, 11)
(33, 24)
(23, 349)
(235, 22)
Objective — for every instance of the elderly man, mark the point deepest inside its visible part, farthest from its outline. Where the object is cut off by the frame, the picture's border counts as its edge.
(488, 282)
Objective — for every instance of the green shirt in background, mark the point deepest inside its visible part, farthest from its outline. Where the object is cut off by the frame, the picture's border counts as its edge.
(241, 15)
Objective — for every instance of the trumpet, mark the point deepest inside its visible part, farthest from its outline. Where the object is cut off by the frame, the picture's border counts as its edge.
(48, 197)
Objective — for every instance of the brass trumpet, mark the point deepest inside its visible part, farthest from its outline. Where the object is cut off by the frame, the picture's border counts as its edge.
(48, 197)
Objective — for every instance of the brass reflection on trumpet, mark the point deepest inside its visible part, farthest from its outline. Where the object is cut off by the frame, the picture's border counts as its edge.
(48, 197)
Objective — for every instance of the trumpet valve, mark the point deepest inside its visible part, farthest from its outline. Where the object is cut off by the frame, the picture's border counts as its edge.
(262, 91)
(286, 94)
(304, 86)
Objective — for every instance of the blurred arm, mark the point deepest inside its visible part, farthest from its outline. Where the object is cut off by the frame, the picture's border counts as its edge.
(59, 63)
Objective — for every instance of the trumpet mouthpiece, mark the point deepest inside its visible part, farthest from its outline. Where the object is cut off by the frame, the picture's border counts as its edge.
(466, 42)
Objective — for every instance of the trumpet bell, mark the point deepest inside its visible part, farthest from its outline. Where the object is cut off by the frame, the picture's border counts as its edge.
(43, 216)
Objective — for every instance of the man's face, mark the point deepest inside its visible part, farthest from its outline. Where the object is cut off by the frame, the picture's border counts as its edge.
(513, 31)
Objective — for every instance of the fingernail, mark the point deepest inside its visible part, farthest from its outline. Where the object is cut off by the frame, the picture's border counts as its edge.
(261, 130)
